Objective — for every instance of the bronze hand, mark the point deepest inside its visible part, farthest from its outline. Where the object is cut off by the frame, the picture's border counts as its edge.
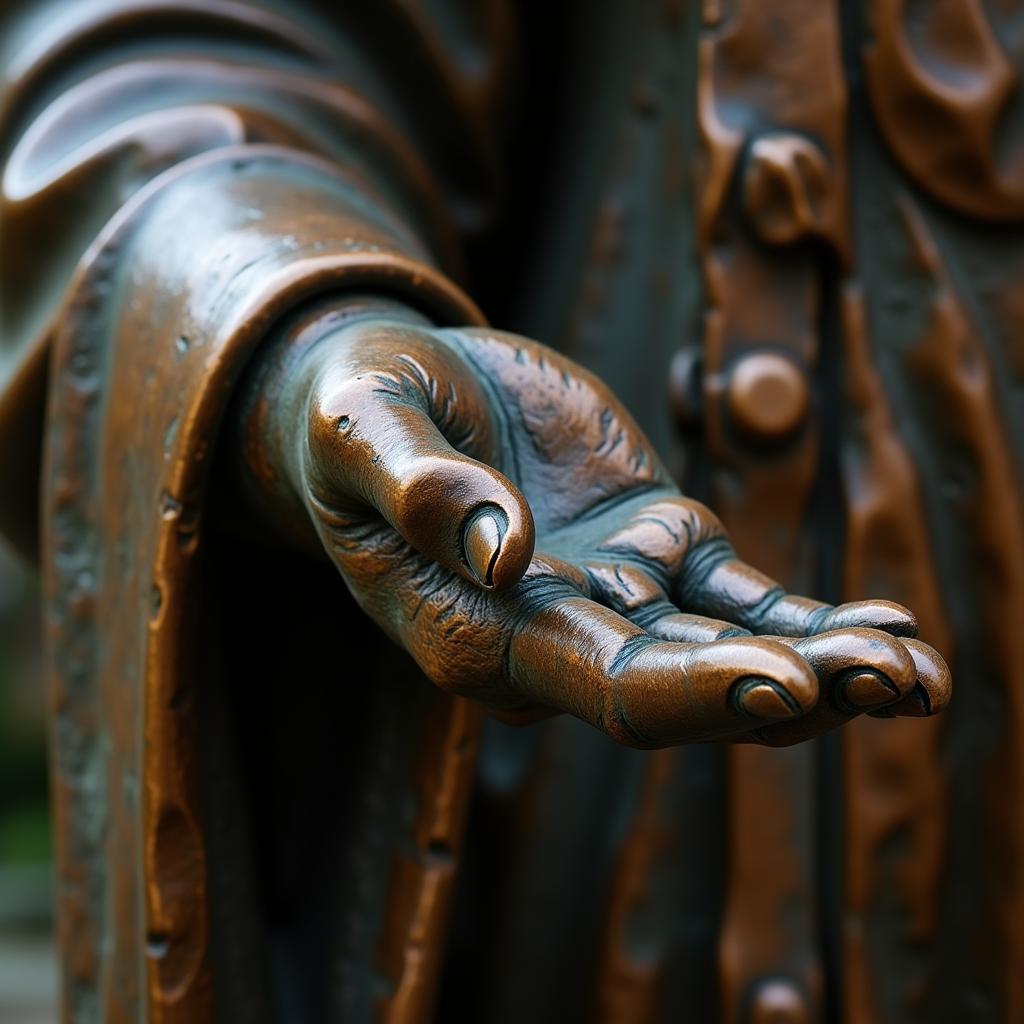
(498, 513)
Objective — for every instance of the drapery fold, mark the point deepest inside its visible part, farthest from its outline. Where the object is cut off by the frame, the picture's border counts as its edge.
(161, 317)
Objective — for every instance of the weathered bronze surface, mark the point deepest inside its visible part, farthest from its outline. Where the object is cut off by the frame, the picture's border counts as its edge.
(249, 253)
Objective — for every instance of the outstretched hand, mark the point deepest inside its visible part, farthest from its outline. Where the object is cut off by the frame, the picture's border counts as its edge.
(497, 512)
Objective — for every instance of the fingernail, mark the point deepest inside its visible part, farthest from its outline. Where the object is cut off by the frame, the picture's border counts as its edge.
(868, 690)
(766, 699)
(916, 704)
(919, 705)
(891, 618)
(933, 688)
(482, 544)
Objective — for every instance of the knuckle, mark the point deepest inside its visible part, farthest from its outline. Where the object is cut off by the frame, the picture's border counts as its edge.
(623, 735)
(614, 721)
(628, 589)
(704, 525)
(727, 631)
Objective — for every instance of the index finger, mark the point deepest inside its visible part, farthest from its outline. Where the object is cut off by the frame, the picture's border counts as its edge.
(580, 657)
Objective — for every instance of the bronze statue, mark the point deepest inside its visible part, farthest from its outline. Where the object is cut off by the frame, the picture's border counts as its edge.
(246, 251)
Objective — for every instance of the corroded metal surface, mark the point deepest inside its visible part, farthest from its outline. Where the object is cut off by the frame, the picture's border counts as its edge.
(786, 235)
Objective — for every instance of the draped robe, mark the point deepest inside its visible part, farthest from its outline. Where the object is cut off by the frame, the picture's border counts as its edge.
(262, 811)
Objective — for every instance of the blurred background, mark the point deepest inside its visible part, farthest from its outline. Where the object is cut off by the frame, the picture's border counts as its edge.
(27, 965)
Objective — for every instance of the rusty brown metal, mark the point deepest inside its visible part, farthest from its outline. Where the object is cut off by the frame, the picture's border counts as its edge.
(772, 120)
(143, 551)
(240, 245)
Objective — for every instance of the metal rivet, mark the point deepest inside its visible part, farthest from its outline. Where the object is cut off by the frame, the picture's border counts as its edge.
(767, 396)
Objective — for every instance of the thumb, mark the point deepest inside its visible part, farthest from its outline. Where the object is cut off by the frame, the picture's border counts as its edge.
(373, 445)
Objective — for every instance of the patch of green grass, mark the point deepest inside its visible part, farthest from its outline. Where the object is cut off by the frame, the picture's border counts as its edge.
(25, 834)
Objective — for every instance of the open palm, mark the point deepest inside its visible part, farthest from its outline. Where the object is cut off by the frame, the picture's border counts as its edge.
(499, 514)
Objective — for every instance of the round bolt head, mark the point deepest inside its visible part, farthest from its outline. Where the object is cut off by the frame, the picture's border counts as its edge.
(767, 396)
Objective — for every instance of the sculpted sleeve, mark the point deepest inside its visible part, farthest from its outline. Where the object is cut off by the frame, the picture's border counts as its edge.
(177, 176)
(143, 111)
